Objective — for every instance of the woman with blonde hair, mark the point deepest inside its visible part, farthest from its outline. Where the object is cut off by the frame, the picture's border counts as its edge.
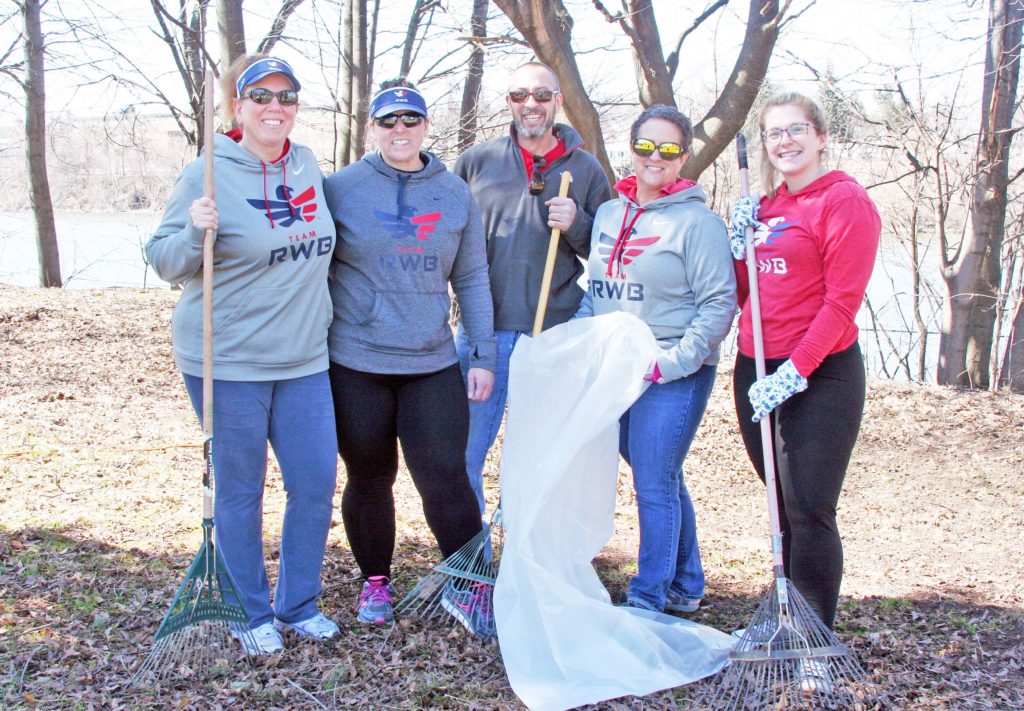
(816, 237)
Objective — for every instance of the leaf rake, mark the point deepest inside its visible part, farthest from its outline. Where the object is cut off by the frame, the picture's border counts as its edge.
(199, 632)
(786, 657)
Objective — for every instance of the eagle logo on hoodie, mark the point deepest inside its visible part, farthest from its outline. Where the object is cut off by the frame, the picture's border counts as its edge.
(409, 224)
(623, 252)
(287, 210)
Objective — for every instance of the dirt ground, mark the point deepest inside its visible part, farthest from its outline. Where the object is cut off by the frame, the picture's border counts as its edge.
(100, 463)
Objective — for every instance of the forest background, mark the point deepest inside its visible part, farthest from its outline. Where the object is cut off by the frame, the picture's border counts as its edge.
(922, 99)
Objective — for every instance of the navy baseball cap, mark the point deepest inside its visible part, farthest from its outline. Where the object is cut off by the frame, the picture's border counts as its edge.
(265, 67)
(398, 98)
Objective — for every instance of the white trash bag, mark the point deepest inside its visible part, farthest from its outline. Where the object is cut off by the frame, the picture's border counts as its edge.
(563, 642)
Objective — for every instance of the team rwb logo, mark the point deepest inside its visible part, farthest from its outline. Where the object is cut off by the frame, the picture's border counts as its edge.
(287, 210)
(768, 232)
(629, 250)
(400, 93)
(409, 224)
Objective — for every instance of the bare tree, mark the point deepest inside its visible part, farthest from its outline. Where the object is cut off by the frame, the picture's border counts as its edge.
(276, 31)
(547, 26)
(973, 271)
(231, 28)
(474, 78)
(34, 85)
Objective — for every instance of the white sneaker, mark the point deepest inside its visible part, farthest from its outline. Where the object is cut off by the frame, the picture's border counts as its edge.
(316, 627)
(813, 676)
(260, 640)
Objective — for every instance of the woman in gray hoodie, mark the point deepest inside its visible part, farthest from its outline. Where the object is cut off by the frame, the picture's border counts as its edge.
(407, 229)
(660, 253)
(271, 311)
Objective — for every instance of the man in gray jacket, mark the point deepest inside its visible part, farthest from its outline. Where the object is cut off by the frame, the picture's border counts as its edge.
(515, 182)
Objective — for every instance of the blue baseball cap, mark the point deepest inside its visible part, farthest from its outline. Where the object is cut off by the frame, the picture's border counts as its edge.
(398, 98)
(265, 67)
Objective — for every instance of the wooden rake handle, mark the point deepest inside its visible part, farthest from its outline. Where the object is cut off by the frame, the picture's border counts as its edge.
(549, 263)
(208, 239)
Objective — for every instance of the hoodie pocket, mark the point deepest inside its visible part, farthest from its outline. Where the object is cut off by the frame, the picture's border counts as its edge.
(406, 322)
(276, 326)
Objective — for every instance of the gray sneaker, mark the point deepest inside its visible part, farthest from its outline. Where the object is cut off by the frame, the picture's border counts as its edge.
(471, 608)
(259, 640)
(316, 627)
(814, 676)
(375, 606)
(679, 603)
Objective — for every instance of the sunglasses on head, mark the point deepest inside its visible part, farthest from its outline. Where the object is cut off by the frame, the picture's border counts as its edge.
(773, 135)
(537, 177)
(543, 96)
(391, 120)
(285, 97)
(644, 147)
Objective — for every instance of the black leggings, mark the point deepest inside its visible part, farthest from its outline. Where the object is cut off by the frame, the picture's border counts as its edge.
(814, 433)
(429, 414)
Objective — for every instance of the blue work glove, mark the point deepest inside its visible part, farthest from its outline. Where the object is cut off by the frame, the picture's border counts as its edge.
(765, 395)
(742, 215)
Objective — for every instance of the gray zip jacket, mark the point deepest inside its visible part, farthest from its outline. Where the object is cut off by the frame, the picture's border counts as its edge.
(402, 238)
(669, 264)
(271, 308)
(516, 224)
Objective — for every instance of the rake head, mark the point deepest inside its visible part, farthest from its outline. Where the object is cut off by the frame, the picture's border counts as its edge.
(788, 659)
(204, 626)
(470, 572)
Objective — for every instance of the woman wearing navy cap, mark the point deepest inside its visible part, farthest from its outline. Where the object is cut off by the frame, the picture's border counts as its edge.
(271, 310)
(407, 229)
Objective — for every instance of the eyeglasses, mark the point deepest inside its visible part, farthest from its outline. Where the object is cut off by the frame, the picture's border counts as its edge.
(644, 147)
(537, 177)
(285, 97)
(391, 120)
(774, 135)
(543, 96)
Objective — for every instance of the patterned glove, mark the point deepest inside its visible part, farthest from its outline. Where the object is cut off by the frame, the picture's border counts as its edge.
(765, 395)
(742, 216)
(654, 374)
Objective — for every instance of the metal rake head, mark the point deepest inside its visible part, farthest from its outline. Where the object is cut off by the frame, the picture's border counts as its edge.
(204, 624)
(476, 562)
(788, 659)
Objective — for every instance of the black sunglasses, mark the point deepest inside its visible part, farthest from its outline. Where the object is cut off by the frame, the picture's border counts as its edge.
(285, 97)
(543, 96)
(391, 120)
(537, 177)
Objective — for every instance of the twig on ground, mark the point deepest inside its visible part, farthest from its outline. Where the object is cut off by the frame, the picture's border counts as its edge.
(308, 695)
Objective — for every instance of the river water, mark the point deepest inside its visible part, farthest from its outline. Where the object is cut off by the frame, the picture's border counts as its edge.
(106, 250)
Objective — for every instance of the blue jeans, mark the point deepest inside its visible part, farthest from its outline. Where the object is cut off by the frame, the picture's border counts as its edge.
(485, 417)
(297, 417)
(654, 436)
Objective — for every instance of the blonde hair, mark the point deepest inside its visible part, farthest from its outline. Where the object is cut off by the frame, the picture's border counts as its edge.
(815, 116)
(228, 79)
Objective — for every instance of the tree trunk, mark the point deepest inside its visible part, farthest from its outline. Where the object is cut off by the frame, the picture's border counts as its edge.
(547, 26)
(410, 39)
(35, 139)
(345, 101)
(231, 29)
(973, 281)
(474, 79)
(719, 126)
(360, 81)
(1012, 372)
(652, 74)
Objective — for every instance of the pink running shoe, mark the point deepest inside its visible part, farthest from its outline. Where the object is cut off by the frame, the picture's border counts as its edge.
(375, 606)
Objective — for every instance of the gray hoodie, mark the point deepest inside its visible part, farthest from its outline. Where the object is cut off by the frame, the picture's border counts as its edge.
(669, 264)
(402, 238)
(271, 307)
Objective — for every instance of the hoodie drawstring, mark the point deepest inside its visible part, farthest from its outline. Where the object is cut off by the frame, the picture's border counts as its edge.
(620, 242)
(402, 180)
(284, 192)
